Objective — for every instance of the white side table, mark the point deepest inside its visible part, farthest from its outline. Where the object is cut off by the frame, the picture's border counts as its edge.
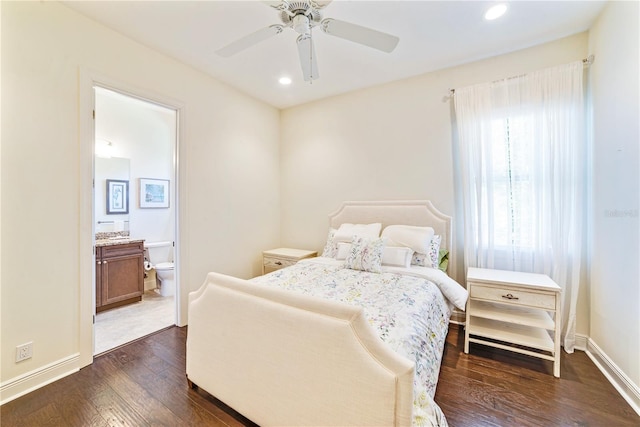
(275, 259)
(511, 310)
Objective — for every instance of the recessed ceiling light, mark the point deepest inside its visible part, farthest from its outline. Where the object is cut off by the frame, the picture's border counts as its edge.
(284, 81)
(495, 12)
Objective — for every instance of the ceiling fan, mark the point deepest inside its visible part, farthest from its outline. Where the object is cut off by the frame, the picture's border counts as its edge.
(302, 16)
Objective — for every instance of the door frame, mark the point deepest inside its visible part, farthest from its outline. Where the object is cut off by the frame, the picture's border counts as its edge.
(87, 81)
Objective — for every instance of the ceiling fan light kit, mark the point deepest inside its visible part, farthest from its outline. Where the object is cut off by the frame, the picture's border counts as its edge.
(302, 17)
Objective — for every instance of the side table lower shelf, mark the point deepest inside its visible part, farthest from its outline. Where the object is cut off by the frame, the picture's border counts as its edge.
(518, 335)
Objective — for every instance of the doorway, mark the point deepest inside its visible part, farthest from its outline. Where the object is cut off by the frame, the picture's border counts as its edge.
(134, 208)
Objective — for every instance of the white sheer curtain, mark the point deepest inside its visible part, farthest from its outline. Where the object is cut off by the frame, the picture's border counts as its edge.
(522, 149)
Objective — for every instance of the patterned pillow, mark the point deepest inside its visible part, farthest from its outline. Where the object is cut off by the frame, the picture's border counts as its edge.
(432, 258)
(365, 254)
(331, 247)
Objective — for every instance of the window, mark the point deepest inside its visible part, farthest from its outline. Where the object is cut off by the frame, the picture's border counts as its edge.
(509, 209)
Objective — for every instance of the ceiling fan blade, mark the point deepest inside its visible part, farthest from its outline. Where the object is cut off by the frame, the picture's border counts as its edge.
(248, 41)
(307, 57)
(358, 34)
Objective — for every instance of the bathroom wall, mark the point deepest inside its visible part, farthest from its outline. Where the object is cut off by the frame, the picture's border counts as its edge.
(144, 133)
(116, 168)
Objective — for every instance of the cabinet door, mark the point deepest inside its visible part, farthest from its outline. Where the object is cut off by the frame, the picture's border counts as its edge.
(122, 275)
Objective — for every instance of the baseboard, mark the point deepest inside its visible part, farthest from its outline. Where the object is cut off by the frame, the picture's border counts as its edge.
(25, 383)
(581, 342)
(627, 389)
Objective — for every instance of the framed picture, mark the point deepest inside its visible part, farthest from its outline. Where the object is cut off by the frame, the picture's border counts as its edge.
(117, 197)
(154, 193)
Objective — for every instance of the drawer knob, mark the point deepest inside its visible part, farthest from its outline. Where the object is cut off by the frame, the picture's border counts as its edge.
(278, 262)
(509, 296)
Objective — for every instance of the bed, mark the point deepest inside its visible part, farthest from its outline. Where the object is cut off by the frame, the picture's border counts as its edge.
(300, 346)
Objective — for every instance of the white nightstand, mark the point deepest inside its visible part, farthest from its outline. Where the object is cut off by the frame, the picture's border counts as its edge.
(512, 310)
(275, 259)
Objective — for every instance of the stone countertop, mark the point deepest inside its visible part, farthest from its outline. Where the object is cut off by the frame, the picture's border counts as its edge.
(114, 242)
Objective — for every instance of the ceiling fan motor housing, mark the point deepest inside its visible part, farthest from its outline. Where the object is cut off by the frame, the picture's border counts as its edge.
(301, 16)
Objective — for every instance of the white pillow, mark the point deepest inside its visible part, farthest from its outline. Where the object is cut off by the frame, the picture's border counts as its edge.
(343, 250)
(416, 238)
(346, 231)
(397, 256)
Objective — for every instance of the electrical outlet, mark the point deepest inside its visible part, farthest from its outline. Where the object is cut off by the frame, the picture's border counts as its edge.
(24, 352)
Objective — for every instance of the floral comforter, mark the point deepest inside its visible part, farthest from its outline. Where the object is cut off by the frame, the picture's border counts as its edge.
(410, 314)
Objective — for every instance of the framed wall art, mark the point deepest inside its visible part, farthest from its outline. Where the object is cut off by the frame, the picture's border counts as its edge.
(117, 197)
(154, 193)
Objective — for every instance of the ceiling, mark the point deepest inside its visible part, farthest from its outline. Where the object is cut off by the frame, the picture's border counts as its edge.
(433, 35)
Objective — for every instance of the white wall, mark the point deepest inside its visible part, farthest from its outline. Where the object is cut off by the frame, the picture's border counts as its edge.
(229, 170)
(389, 142)
(615, 266)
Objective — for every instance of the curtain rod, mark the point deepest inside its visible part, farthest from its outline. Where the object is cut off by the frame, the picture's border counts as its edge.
(585, 62)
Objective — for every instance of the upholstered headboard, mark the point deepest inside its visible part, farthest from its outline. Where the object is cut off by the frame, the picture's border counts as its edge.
(406, 212)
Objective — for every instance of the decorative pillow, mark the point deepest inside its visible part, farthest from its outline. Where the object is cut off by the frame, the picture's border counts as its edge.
(397, 256)
(365, 254)
(443, 259)
(343, 250)
(391, 255)
(331, 247)
(430, 258)
(416, 238)
(434, 250)
(346, 232)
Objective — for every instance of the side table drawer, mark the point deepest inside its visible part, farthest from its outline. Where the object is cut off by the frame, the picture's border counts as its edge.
(513, 296)
(271, 263)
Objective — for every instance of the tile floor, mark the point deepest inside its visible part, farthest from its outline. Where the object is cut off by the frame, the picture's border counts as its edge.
(124, 324)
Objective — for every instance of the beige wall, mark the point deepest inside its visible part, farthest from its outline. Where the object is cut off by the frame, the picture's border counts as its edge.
(389, 142)
(229, 170)
(615, 267)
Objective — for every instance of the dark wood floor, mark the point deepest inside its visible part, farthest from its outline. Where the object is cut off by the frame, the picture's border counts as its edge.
(143, 384)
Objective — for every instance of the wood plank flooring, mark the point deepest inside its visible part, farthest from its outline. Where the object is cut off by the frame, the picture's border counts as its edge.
(143, 384)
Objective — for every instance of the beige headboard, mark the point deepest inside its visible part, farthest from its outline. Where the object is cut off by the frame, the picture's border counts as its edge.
(406, 212)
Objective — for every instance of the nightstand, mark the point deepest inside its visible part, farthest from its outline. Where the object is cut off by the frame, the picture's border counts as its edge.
(275, 259)
(519, 312)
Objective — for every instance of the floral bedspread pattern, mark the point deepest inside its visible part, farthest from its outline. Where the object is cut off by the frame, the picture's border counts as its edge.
(409, 313)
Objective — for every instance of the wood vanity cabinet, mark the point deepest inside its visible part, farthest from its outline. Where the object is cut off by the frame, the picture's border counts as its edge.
(119, 275)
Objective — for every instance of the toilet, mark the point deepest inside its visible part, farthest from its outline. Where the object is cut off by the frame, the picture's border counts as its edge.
(164, 272)
(160, 258)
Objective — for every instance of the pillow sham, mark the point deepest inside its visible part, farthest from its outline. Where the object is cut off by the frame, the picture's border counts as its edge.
(331, 247)
(391, 255)
(430, 257)
(347, 231)
(416, 238)
(365, 254)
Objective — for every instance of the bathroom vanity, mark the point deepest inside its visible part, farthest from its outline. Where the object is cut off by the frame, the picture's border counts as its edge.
(119, 272)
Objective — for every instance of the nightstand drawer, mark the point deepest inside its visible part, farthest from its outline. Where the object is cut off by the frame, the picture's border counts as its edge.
(514, 296)
(275, 259)
(274, 263)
